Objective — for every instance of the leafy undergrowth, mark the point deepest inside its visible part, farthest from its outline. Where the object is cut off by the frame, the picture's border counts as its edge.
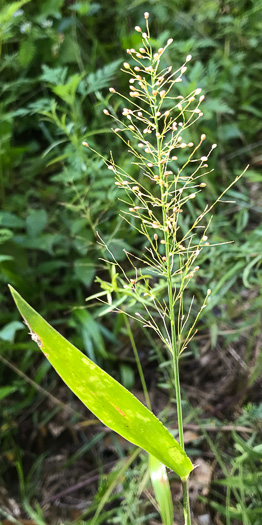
(59, 58)
(62, 465)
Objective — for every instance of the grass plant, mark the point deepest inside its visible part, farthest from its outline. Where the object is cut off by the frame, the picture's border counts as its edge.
(155, 130)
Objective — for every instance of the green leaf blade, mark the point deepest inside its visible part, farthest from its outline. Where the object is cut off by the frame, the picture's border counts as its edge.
(115, 406)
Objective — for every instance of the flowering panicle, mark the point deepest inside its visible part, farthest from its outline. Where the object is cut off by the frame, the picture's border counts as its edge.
(153, 126)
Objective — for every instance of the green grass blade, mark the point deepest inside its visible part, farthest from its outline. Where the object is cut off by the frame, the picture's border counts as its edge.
(162, 490)
(106, 398)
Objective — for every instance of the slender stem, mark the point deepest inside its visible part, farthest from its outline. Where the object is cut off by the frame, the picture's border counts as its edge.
(175, 345)
(138, 364)
(186, 502)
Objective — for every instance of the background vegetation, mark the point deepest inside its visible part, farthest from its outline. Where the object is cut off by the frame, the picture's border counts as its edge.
(58, 59)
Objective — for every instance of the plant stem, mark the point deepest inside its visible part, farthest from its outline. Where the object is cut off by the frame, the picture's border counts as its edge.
(175, 346)
(138, 364)
(186, 502)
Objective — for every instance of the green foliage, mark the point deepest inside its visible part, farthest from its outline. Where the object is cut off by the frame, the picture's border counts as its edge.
(43, 167)
(106, 398)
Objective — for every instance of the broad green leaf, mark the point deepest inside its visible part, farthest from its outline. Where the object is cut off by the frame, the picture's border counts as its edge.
(36, 222)
(106, 398)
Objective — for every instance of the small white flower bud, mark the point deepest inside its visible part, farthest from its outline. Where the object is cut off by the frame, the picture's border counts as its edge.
(198, 91)
(105, 111)
(144, 35)
(208, 291)
(170, 40)
(203, 136)
(202, 185)
(192, 196)
(138, 28)
(203, 158)
(162, 93)
(214, 146)
(188, 58)
(112, 90)
(201, 98)
(146, 15)
(126, 65)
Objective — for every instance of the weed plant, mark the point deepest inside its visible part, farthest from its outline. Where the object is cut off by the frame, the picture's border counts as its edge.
(155, 128)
